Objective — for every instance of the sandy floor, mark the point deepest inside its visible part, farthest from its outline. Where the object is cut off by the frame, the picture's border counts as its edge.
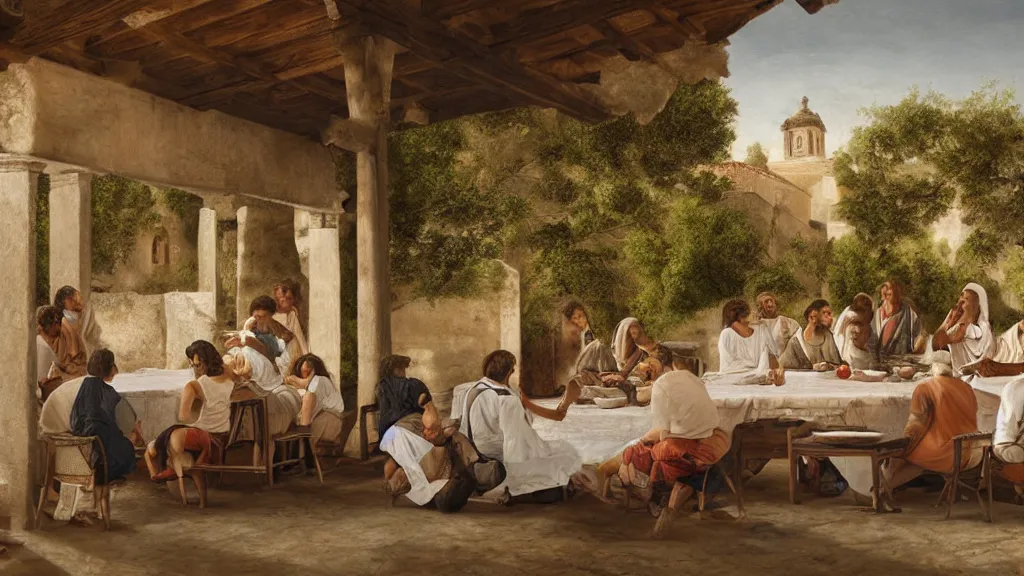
(346, 527)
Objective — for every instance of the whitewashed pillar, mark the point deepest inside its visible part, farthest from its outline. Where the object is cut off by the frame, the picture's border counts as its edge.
(71, 232)
(325, 298)
(18, 182)
(207, 251)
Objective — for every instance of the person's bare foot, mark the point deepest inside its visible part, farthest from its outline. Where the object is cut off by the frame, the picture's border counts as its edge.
(664, 519)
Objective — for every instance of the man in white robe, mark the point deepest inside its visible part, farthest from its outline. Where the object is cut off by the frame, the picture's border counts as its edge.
(966, 331)
(288, 295)
(747, 350)
(1008, 441)
(250, 365)
(1009, 357)
(500, 427)
(781, 327)
(814, 347)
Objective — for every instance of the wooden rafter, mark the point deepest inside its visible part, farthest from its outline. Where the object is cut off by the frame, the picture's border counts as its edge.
(544, 22)
(80, 18)
(202, 53)
(441, 9)
(688, 28)
(468, 59)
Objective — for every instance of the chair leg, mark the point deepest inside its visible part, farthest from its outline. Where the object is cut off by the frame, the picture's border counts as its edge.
(316, 460)
(199, 479)
(105, 504)
(45, 491)
(986, 469)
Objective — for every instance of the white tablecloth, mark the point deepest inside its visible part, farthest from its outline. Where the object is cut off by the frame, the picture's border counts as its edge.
(883, 406)
(155, 395)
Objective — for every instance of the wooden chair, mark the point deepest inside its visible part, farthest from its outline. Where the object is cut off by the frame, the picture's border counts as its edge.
(995, 464)
(69, 460)
(300, 441)
(975, 479)
(364, 443)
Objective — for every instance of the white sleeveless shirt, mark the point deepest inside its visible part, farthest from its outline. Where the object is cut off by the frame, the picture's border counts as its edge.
(215, 413)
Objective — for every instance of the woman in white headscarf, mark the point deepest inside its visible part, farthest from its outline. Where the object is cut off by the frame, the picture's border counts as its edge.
(966, 330)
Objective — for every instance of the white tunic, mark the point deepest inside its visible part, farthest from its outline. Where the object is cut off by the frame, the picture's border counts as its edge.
(327, 396)
(502, 430)
(737, 354)
(215, 413)
(681, 405)
(1008, 445)
(1010, 346)
(45, 359)
(408, 450)
(978, 343)
(781, 329)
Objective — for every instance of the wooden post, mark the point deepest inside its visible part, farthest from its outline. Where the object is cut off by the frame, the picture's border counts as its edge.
(368, 65)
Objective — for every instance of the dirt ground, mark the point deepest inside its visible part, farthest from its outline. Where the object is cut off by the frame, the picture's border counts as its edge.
(347, 527)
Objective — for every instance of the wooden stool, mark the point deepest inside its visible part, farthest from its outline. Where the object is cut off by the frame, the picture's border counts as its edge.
(304, 440)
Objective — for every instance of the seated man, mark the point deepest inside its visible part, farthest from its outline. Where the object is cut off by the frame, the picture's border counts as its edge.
(643, 360)
(940, 409)
(594, 355)
(498, 424)
(853, 334)
(747, 349)
(272, 336)
(1009, 358)
(422, 463)
(181, 445)
(100, 411)
(814, 347)
(780, 327)
(66, 345)
(1008, 441)
(288, 298)
(966, 331)
(76, 314)
(895, 323)
(684, 442)
(246, 361)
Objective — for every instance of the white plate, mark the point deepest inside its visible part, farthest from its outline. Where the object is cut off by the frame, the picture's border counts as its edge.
(849, 434)
(874, 373)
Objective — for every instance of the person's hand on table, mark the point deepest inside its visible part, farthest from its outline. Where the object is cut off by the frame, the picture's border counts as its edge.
(612, 378)
(988, 368)
(136, 434)
(822, 367)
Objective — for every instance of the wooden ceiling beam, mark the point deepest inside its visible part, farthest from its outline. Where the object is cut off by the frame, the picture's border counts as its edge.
(78, 19)
(541, 23)
(444, 9)
(202, 53)
(686, 27)
(464, 57)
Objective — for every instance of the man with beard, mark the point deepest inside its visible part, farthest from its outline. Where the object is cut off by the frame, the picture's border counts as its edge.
(780, 327)
(966, 332)
(814, 347)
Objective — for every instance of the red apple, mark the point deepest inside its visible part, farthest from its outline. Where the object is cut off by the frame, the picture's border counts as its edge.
(843, 372)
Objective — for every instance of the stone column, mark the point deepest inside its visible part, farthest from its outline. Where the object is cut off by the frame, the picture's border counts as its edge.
(18, 182)
(325, 298)
(207, 251)
(368, 65)
(511, 324)
(71, 232)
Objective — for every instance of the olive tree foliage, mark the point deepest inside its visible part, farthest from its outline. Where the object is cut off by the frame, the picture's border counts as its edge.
(619, 215)
(906, 168)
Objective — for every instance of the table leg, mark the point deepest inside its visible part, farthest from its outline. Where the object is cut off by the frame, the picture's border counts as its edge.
(794, 471)
(738, 476)
(876, 464)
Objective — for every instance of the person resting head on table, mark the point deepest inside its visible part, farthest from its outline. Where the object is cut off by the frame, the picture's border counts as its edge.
(310, 374)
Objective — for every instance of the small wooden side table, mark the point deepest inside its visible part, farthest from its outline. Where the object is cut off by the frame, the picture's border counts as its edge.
(812, 447)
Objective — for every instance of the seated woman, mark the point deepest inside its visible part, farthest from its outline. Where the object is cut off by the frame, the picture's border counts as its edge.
(966, 331)
(684, 442)
(895, 323)
(854, 336)
(748, 350)
(422, 463)
(100, 411)
(322, 404)
(181, 445)
(641, 360)
(814, 347)
(941, 408)
(1008, 441)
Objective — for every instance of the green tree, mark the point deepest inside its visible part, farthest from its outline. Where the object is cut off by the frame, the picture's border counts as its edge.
(756, 156)
(120, 209)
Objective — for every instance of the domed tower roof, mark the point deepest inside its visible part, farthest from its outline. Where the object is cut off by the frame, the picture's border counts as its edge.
(803, 118)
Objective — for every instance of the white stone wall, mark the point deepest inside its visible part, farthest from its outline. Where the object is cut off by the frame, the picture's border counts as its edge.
(152, 331)
(774, 191)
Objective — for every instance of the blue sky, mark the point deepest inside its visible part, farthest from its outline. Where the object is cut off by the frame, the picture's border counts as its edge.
(862, 52)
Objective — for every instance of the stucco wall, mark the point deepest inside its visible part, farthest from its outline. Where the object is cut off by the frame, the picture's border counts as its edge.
(776, 224)
(152, 331)
(448, 339)
(133, 274)
(774, 191)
